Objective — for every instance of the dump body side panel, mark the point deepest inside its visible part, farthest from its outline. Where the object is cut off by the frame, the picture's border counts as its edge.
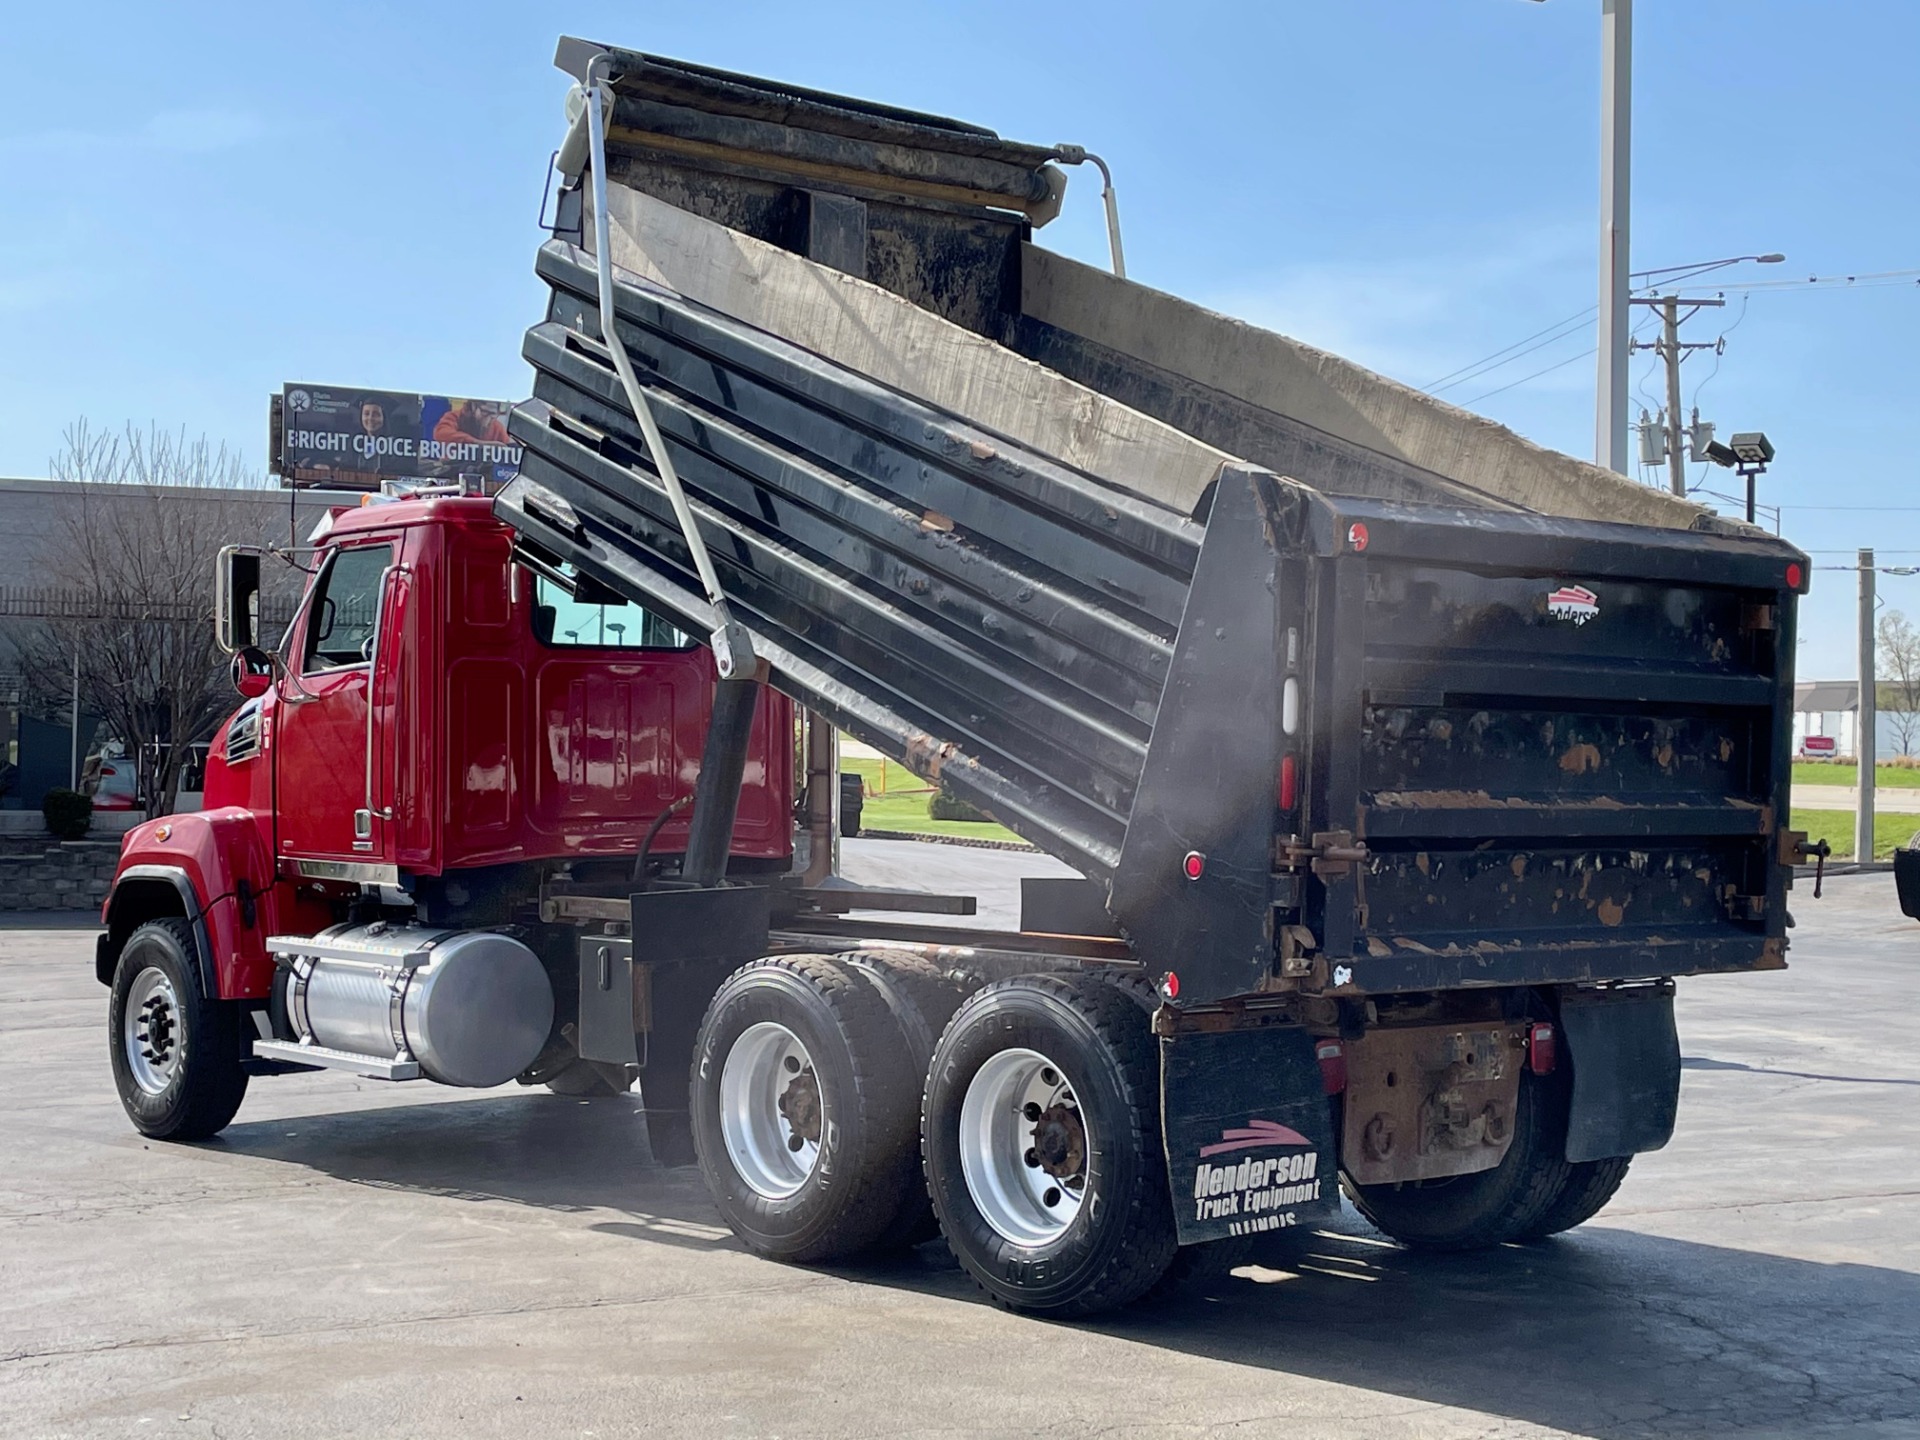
(1529, 750)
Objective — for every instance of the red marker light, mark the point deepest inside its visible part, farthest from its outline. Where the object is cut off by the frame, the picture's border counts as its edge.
(1542, 1050)
(1289, 782)
(1795, 575)
(1195, 865)
(1357, 535)
(1333, 1066)
(1170, 986)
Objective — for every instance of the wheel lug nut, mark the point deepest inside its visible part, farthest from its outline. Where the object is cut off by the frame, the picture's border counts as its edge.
(1032, 1112)
(1052, 1197)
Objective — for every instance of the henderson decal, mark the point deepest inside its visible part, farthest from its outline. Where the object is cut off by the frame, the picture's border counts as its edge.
(1573, 602)
(1257, 1192)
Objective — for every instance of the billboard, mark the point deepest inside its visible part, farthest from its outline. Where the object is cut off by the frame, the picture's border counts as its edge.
(353, 439)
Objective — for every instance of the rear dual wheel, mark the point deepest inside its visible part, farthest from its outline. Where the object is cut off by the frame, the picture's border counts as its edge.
(1534, 1192)
(1039, 1125)
(1043, 1155)
(805, 1101)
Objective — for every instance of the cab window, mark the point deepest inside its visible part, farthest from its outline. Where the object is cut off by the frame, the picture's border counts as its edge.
(346, 607)
(564, 622)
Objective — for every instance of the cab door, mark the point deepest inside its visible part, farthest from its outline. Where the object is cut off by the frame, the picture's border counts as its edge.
(331, 764)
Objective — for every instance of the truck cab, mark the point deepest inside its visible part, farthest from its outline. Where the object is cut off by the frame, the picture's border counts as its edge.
(440, 732)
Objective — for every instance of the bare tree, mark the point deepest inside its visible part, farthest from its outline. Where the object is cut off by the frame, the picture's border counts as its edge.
(130, 570)
(1899, 690)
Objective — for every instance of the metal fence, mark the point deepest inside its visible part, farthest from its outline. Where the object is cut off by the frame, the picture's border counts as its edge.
(41, 602)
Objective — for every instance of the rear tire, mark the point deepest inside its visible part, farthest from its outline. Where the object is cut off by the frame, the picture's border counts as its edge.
(1589, 1186)
(922, 998)
(1042, 1139)
(175, 1050)
(1198, 1269)
(803, 1109)
(1533, 1192)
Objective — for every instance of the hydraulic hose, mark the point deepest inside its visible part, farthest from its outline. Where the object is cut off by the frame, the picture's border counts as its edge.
(1080, 155)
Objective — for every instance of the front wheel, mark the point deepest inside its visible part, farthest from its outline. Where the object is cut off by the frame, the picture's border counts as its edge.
(175, 1050)
(1042, 1142)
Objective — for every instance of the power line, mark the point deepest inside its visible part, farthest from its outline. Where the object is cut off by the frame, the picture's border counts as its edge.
(1880, 279)
(1535, 376)
(1906, 279)
(1469, 372)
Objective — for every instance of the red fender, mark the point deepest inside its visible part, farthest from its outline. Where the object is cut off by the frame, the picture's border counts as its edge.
(219, 862)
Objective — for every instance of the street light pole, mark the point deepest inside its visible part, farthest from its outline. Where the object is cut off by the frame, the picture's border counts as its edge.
(1866, 749)
(1616, 134)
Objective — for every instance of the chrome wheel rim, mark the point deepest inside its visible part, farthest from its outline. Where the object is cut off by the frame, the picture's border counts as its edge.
(1024, 1144)
(150, 1033)
(771, 1112)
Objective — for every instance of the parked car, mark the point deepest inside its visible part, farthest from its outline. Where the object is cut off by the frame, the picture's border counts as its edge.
(113, 781)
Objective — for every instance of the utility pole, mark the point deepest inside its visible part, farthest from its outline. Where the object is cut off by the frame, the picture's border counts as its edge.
(1670, 340)
(1673, 352)
(1616, 150)
(73, 761)
(1867, 725)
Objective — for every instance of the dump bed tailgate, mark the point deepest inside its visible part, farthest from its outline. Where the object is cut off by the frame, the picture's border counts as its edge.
(1539, 750)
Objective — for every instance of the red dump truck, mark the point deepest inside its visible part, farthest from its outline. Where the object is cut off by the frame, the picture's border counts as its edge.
(1406, 765)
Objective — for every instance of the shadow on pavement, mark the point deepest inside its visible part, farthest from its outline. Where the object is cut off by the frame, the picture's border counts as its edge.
(1604, 1332)
(1697, 1062)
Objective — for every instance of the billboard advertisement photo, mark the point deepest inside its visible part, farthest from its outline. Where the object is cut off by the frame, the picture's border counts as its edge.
(353, 439)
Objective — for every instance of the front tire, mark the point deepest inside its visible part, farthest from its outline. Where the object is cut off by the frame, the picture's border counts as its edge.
(175, 1050)
(1042, 1141)
(803, 1109)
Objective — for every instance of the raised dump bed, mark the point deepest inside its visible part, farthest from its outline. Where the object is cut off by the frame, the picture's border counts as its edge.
(1329, 686)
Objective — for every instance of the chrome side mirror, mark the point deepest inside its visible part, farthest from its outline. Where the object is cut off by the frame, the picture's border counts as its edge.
(252, 671)
(236, 599)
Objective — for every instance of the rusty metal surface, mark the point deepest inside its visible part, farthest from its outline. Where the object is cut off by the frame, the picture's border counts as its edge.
(1425, 1102)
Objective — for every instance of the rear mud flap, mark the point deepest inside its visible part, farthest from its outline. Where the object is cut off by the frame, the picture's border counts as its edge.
(1248, 1132)
(1626, 1070)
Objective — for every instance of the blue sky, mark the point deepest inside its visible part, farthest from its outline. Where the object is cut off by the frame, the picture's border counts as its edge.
(198, 203)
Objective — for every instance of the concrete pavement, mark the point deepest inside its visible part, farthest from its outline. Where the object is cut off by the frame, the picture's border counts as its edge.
(378, 1260)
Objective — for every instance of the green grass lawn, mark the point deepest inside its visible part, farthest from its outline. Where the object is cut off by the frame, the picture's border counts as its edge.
(1836, 828)
(1849, 775)
(903, 805)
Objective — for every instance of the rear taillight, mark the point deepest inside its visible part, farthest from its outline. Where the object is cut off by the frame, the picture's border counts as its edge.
(1288, 789)
(1542, 1049)
(108, 770)
(1333, 1066)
